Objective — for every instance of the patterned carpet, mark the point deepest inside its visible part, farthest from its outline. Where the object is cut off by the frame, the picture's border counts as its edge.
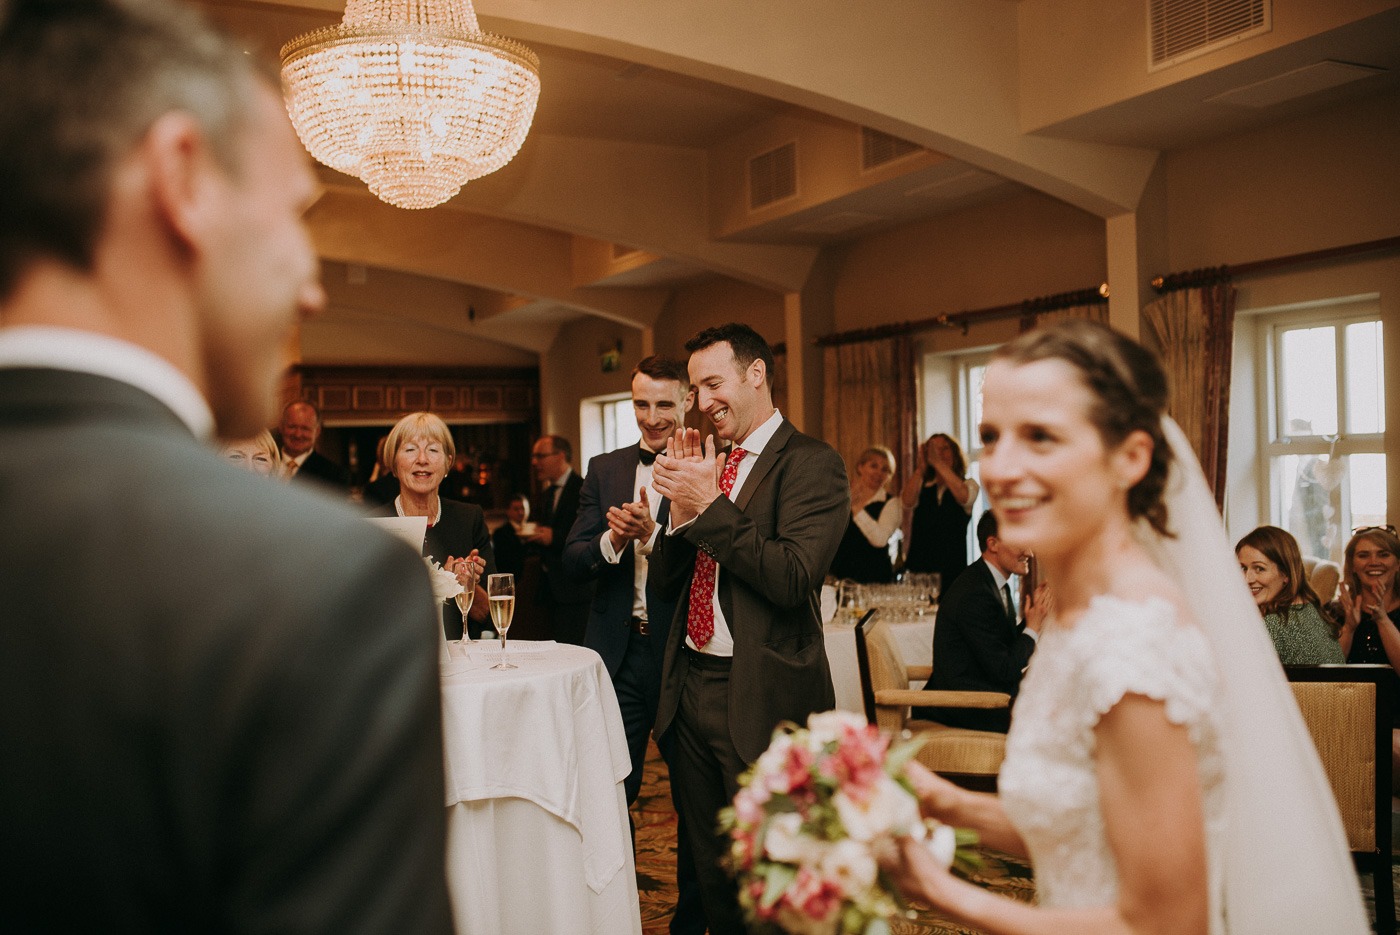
(656, 864)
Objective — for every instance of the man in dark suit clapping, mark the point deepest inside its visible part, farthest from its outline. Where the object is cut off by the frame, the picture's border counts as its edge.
(978, 644)
(219, 699)
(619, 518)
(750, 539)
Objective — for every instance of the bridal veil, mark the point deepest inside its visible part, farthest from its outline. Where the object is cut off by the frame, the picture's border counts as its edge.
(1287, 865)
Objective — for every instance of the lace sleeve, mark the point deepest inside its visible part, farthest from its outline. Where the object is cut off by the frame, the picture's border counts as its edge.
(1129, 648)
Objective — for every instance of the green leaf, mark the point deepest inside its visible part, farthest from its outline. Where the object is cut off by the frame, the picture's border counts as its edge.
(777, 878)
(900, 754)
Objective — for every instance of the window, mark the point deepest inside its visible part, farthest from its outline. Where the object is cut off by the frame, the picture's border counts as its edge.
(606, 423)
(1322, 432)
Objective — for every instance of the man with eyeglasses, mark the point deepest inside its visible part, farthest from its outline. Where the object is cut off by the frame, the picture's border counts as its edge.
(563, 599)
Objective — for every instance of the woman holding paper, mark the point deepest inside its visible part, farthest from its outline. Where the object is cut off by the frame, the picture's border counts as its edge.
(420, 451)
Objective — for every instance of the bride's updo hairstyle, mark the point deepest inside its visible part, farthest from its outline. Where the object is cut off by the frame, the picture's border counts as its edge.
(1130, 394)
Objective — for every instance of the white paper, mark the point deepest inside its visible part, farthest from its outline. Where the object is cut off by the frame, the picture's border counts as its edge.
(411, 529)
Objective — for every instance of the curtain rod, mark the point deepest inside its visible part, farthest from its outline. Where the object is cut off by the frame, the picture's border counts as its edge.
(1214, 274)
(1046, 303)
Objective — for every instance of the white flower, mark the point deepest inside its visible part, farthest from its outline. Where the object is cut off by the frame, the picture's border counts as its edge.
(445, 583)
(851, 866)
(827, 726)
(940, 840)
(890, 809)
(785, 842)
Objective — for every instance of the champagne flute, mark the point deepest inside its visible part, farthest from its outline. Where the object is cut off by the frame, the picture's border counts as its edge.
(500, 589)
(464, 604)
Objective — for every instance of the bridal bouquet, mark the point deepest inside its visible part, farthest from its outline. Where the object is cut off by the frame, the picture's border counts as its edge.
(805, 824)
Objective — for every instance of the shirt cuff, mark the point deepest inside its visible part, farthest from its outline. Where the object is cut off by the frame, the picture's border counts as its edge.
(610, 555)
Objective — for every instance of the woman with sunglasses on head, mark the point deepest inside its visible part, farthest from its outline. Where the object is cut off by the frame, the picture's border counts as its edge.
(1273, 570)
(1368, 604)
(1367, 609)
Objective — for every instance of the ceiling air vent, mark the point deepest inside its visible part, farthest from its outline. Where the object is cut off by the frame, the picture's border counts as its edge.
(878, 148)
(773, 176)
(1182, 29)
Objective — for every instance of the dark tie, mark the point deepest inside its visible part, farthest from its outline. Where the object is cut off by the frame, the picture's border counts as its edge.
(648, 456)
(1006, 600)
(700, 622)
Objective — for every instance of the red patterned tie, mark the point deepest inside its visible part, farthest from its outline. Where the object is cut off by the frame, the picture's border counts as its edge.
(700, 625)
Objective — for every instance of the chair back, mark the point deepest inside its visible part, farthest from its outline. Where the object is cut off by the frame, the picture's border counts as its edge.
(881, 666)
(1347, 709)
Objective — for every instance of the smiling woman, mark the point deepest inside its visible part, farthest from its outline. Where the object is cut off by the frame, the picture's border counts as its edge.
(420, 451)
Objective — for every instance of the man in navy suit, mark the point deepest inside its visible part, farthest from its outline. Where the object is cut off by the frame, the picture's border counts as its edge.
(618, 519)
(978, 645)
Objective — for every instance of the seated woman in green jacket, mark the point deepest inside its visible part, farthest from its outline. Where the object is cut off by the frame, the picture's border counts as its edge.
(1273, 569)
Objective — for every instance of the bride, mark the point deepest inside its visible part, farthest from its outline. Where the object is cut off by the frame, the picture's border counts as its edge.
(1157, 774)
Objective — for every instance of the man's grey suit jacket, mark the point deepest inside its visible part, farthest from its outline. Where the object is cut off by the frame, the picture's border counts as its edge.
(774, 545)
(218, 694)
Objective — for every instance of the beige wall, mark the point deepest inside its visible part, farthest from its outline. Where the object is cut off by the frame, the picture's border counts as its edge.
(1025, 246)
(1325, 180)
(715, 303)
(571, 371)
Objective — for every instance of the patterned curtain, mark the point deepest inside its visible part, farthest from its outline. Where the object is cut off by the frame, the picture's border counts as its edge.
(1194, 331)
(870, 399)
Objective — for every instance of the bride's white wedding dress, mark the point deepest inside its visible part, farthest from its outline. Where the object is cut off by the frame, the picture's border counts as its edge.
(1048, 783)
(1277, 860)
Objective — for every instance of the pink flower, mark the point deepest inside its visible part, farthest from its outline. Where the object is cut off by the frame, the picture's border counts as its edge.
(813, 895)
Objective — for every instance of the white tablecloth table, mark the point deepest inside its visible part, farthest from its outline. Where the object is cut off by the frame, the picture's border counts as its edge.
(913, 637)
(538, 839)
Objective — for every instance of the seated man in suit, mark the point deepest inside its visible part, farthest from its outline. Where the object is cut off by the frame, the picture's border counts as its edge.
(978, 645)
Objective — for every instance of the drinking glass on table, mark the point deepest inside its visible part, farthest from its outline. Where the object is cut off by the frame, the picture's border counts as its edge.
(500, 590)
(464, 604)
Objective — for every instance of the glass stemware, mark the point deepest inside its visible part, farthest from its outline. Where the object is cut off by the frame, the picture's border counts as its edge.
(500, 590)
(464, 604)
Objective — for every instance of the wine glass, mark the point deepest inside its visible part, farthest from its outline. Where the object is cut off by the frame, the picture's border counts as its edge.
(500, 589)
(464, 604)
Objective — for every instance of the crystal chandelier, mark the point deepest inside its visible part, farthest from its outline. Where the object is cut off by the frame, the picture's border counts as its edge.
(410, 96)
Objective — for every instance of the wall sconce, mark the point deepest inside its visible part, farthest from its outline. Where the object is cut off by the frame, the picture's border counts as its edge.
(610, 358)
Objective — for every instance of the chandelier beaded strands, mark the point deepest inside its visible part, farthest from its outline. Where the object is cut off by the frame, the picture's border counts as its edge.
(410, 96)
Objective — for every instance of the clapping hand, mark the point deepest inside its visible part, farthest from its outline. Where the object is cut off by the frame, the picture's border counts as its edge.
(688, 474)
(468, 570)
(1040, 606)
(631, 522)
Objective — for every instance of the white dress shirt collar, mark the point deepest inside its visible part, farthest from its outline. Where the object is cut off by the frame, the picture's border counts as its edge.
(98, 354)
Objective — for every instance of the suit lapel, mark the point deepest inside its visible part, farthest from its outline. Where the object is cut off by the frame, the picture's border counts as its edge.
(766, 459)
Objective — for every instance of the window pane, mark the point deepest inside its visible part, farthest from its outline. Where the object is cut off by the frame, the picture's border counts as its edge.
(1308, 376)
(626, 431)
(1305, 502)
(1366, 486)
(1365, 380)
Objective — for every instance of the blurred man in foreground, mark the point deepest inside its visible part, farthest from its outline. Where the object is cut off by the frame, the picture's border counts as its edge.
(218, 696)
